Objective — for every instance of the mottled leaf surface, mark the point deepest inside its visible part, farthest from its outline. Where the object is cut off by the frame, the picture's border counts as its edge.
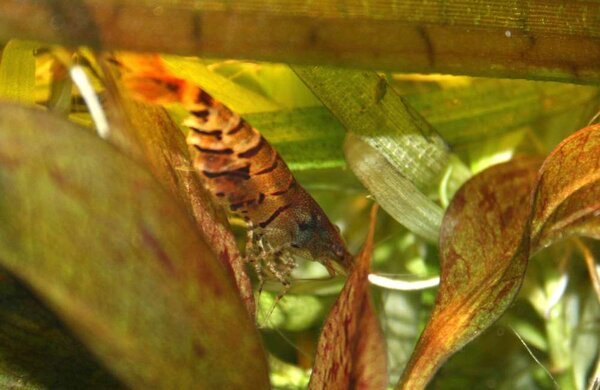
(483, 259)
(491, 226)
(119, 260)
(567, 197)
(351, 352)
(153, 135)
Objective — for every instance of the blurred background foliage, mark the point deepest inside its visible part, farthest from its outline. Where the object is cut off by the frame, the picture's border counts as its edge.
(549, 336)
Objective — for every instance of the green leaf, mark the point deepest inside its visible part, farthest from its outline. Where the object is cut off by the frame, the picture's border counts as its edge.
(237, 98)
(17, 71)
(98, 239)
(306, 138)
(396, 194)
(368, 107)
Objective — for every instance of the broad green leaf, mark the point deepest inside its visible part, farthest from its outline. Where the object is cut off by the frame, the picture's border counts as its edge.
(483, 257)
(17, 71)
(396, 194)
(567, 199)
(351, 351)
(37, 352)
(99, 240)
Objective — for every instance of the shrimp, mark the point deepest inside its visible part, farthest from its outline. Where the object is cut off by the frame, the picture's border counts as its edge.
(245, 173)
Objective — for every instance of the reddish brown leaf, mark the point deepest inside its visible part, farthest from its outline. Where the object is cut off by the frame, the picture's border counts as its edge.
(483, 259)
(148, 133)
(351, 352)
(488, 232)
(567, 199)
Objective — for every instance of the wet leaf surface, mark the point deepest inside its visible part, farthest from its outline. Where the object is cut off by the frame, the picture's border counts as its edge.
(567, 200)
(99, 240)
(483, 259)
(351, 352)
(489, 229)
(153, 135)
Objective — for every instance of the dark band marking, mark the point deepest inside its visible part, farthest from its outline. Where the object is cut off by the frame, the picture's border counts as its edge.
(214, 151)
(172, 86)
(210, 133)
(237, 128)
(261, 198)
(253, 151)
(237, 206)
(274, 215)
(202, 114)
(268, 169)
(204, 98)
(220, 194)
(292, 185)
(243, 172)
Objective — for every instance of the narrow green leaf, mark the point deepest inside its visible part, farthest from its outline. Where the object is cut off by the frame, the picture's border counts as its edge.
(396, 194)
(237, 98)
(367, 106)
(528, 39)
(97, 238)
(465, 116)
(17, 71)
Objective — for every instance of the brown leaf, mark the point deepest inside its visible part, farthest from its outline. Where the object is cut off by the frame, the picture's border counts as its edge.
(567, 199)
(351, 351)
(489, 229)
(483, 259)
(149, 130)
(98, 239)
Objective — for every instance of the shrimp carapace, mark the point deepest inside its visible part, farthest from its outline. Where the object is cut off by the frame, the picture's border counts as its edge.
(243, 171)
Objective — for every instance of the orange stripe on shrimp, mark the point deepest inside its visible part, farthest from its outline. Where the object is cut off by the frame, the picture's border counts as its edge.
(243, 171)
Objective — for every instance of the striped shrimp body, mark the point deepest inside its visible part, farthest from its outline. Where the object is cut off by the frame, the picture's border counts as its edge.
(240, 167)
(243, 171)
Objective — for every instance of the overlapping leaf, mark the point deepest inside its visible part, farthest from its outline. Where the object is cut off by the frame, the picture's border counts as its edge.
(488, 232)
(150, 131)
(99, 240)
(567, 197)
(351, 352)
